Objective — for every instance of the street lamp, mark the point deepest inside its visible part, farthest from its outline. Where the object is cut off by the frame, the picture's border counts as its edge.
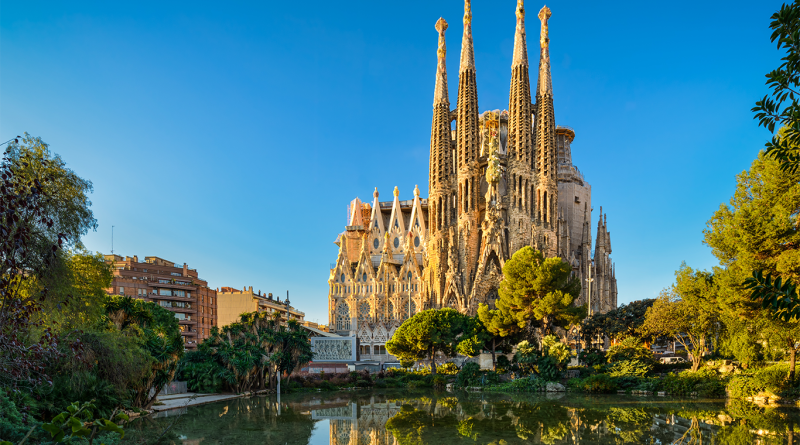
(589, 281)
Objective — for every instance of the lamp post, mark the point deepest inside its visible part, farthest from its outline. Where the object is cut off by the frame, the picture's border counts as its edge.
(589, 281)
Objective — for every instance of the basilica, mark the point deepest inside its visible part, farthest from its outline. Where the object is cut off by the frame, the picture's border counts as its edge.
(498, 181)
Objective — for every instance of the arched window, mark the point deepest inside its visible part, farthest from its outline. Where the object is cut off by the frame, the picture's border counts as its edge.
(413, 307)
(363, 311)
(364, 277)
(451, 303)
(391, 311)
(343, 316)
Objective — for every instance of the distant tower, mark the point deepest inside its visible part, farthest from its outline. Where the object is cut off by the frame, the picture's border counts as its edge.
(468, 146)
(441, 207)
(545, 134)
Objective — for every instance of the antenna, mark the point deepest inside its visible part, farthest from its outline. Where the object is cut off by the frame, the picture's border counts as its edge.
(112, 240)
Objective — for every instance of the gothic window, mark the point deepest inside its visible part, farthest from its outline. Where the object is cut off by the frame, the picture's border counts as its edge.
(364, 277)
(451, 303)
(409, 275)
(343, 317)
(417, 222)
(416, 241)
(363, 312)
(376, 243)
(391, 311)
(342, 277)
(396, 242)
(413, 307)
(396, 225)
(402, 311)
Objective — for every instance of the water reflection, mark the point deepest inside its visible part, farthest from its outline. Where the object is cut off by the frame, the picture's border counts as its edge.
(405, 418)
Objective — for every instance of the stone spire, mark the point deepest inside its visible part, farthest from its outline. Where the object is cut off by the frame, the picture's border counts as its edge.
(441, 156)
(519, 102)
(467, 107)
(440, 92)
(545, 133)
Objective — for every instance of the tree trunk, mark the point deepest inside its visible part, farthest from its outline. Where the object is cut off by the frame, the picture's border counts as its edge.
(696, 360)
(494, 360)
(792, 362)
(433, 362)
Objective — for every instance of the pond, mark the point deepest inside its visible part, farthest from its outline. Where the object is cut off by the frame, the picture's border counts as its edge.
(407, 417)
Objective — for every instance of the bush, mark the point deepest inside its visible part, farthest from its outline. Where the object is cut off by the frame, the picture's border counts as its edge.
(469, 375)
(439, 381)
(448, 368)
(592, 357)
(630, 349)
(13, 424)
(525, 384)
(630, 368)
(598, 383)
(705, 382)
(503, 364)
(772, 379)
(548, 369)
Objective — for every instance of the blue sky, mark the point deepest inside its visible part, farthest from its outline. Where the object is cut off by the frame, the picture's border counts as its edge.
(232, 135)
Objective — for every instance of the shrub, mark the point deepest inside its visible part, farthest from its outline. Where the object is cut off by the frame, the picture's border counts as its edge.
(439, 381)
(448, 368)
(13, 424)
(772, 379)
(326, 385)
(548, 369)
(592, 357)
(380, 383)
(598, 383)
(469, 375)
(705, 382)
(627, 368)
(525, 384)
(553, 348)
(503, 364)
(630, 349)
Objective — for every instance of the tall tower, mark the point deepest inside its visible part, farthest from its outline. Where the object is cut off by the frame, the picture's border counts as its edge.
(520, 143)
(440, 203)
(468, 146)
(545, 133)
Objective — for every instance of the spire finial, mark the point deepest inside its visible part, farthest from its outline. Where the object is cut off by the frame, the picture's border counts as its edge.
(396, 192)
(520, 47)
(467, 51)
(544, 15)
(440, 93)
(416, 191)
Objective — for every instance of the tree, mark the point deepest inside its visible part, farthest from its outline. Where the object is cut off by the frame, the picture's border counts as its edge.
(433, 331)
(533, 290)
(686, 312)
(160, 336)
(780, 109)
(757, 233)
(618, 323)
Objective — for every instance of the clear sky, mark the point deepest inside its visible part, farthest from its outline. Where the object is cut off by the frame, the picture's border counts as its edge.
(231, 136)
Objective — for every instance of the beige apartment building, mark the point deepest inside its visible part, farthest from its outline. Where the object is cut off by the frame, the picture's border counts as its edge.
(173, 286)
(232, 303)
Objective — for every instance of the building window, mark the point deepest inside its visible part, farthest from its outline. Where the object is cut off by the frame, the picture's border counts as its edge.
(376, 243)
(122, 290)
(165, 292)
(363, 311)
(377, 349)
(416, 241)
(391, 311)
(343, 317)
(396, 242)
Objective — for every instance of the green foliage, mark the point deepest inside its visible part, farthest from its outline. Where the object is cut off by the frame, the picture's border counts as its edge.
(503, 364)
(772, 379)
(687, 312)
(448, 368)
(160, 337)
(592, 357)
(534, 289)
(247, 354)
(597, 383)
(13, 424)
(552, 347)
(526, 357)
(705, 382)
(630, 349)
(430, 332)
(630, 368)
(200, 372)
(549, 368)
(617, 324)
(524, 384)
(469, 375)
(79, 421)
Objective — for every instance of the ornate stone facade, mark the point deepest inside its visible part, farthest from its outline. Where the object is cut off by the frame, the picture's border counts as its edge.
(500, 181)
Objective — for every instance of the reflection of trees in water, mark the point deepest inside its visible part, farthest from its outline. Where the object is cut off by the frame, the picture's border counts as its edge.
(406, 418)
(239, 421)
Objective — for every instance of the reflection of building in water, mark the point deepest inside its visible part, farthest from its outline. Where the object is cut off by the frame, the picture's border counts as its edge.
(359, 424)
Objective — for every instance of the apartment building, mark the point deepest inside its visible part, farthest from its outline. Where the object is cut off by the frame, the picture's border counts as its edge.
(173, 286)
(234, 302)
